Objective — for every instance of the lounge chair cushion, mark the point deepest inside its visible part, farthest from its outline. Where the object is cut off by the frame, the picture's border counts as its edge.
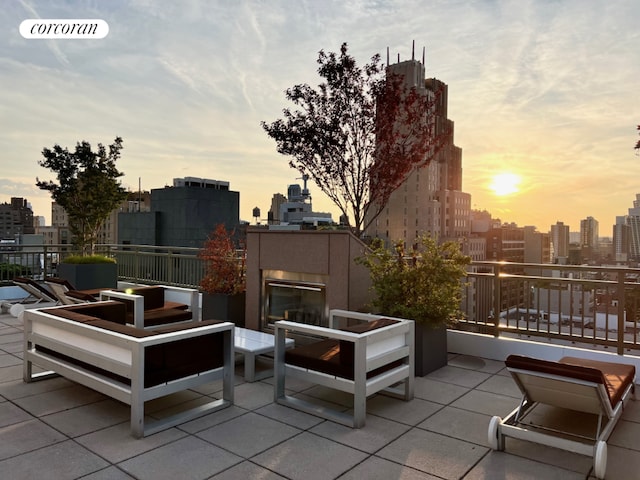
(614, 376)
(80, 295)
(617, 376)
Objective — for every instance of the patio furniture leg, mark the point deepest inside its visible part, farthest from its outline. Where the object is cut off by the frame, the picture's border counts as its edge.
(360, 386)
(278, 364)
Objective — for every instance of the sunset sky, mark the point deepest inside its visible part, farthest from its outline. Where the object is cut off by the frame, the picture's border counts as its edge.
(544, 93)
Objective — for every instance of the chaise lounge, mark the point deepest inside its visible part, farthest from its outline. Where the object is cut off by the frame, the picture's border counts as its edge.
(67, 294)
(90, 344)
(589, 386)
(370, 354)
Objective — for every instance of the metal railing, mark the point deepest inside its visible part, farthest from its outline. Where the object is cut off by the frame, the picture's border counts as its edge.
(587, 305)
(593, 306)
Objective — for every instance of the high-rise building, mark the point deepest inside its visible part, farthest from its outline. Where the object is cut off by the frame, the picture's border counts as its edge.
(430, 200)
(16, 218)
(633, 220)
(589, 238)
(273, 216)
(559, 243)
(621, 239)
(182, 215)
(537, 246)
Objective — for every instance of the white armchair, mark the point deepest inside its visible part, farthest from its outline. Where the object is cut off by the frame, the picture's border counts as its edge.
(362, 359)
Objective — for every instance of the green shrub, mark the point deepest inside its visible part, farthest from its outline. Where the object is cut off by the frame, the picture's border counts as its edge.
(78, 259)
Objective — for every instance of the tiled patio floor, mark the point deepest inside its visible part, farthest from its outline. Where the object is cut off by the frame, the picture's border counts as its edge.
(56, 429)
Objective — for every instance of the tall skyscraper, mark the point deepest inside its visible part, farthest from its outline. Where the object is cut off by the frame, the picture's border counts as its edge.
(430, 200)
(633, 220)
(589, 237)
(621, 239)
(16, 218)
(560, 243)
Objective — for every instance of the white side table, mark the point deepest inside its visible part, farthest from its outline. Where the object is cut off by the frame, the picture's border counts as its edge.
(252, 343)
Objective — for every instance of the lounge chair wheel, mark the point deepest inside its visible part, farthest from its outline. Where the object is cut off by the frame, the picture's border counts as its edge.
(494, 433)
(600, 459)
(16, 309)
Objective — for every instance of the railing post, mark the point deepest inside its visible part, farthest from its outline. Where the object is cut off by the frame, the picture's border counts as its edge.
(497, 299)
(621, 311)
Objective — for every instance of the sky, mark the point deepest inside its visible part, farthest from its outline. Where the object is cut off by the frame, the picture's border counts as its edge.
(543, 93)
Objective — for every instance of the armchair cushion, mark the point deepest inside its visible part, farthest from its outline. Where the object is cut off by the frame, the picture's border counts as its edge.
(336, 357)
(348, 348)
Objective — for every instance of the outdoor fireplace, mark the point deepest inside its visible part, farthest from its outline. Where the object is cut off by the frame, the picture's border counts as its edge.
(300, 275)
(297, 297)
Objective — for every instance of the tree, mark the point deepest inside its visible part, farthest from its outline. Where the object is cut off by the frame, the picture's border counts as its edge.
(637, 147)
(225, 269)
(87, 187)
(359, 133)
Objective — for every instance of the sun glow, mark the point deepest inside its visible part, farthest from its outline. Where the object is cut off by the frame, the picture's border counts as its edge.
(505, 184)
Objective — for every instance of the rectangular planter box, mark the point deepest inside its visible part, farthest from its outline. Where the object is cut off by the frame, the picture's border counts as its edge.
(218, 306)
(89, 276)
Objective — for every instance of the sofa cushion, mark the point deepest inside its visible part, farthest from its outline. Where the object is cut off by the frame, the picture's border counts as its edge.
(71, 315)
(119, 328)
(185, 357)
(153, 296)
(161, 316)
(112, 311)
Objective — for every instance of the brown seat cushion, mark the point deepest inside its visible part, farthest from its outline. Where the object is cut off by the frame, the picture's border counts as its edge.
(153, 296)
(80, 295)
(348, 348)
(614, 376)
(162, 316)
(112, 311)
(336, 357)
(617, 376)
(188, 356)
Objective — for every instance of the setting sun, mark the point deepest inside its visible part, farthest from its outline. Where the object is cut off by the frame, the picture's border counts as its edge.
(505, 184)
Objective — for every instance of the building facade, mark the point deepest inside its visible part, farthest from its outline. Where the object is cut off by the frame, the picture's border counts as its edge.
(430, 200)
(559, 243)
(182, 215)
(589, 238)
(621, 239)
(16, 218)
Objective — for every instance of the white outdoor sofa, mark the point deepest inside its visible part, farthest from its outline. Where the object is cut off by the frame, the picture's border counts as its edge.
(376, 354)
(88, 343)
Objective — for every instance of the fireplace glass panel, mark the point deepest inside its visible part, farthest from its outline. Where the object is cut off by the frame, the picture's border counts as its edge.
(295, 301)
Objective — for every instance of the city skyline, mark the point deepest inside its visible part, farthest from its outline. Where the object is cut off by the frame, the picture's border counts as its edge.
(543, 95)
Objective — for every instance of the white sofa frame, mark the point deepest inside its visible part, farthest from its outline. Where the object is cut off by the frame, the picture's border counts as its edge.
(188, 296)
(372, 349)
(124, 356)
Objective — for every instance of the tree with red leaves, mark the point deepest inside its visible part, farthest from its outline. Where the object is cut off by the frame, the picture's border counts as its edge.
(358, 134)
(224, 265)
